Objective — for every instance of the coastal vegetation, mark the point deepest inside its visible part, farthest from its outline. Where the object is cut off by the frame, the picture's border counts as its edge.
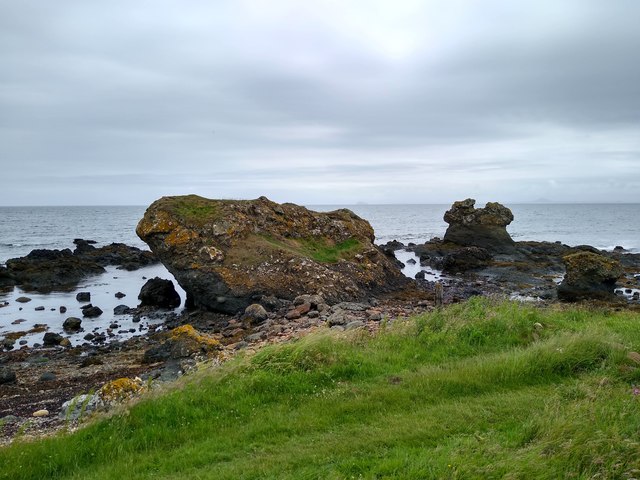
(481, 389)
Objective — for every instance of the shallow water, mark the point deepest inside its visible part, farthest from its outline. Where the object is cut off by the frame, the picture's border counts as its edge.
(102, 288)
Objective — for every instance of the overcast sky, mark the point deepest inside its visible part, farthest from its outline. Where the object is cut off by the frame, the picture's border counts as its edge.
(319, 102)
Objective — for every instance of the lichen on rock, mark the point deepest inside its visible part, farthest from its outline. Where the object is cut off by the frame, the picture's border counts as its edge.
(227, 254)
(589, 276)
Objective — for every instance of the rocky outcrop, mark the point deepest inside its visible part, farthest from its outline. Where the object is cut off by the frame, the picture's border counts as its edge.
(589, 276)
(46, 270)
(228, 254)
(482, 227)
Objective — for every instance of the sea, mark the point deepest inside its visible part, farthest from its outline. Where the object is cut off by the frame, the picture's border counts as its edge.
(23, 229)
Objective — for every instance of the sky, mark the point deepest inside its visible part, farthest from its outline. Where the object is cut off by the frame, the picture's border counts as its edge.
(319, 101)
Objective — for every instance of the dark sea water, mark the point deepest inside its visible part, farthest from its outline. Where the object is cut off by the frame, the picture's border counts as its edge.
(23, 229)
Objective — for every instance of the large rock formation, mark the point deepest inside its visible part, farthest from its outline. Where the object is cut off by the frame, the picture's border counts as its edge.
(589, 276)
(227, 254)
(483, 227)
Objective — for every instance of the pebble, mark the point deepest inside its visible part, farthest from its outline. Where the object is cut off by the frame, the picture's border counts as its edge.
(41, 413)
(39, 309)
(63, 309)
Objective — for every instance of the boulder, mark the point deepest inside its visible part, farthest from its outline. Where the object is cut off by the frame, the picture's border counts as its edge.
(7, 375)
(157, 292)
(90, 311)
(83, 296)
(228, 254)
(182, 342)
(482, 227)
(72, 324)
(255, 314)
(52, 339)
(589, 276)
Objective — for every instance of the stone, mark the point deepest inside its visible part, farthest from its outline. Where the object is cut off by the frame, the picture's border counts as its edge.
(7, 376)
(157, 292)
(121, 310)
(23, 299)
(47, 377)
(90, 311)
(63, 309)
(119, 295)
(65, 342)
(39, 309)
(78, 406)
(483, 227)
(72, 324)
(314, 300)
(41, 413)
(52, 339)
(83, 296)
(226, 254)
(589, 276)
(182, 342)
(255, 314)
(354, 324)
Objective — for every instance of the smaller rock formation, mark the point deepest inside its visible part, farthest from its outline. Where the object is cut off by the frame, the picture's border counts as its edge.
(158, 292)
(72, 324)
(483, 227)
(466, 258)
(589, 276)
(182, 342)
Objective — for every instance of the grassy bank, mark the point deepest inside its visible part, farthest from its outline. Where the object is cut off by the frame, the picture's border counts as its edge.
(478, 390)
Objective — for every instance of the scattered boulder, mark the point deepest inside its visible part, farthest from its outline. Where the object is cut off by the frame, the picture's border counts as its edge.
(182, 342)
(121, 310)
(72, 324)
(83, 296)
(158, 292)
(255, 314)
(78, 406)
(63, 309)
(52, 339)
(227, 254)
(90, 311)
(589, 276)
(23, 299)
(482, 227)
(7, 375)
(120, 295)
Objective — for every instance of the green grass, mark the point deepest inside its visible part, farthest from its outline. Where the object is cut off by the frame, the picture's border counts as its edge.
(317, 248)
(195, 209)
(477, 390)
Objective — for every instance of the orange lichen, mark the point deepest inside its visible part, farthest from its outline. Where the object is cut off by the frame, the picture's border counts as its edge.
(188, 333)
(180, 236)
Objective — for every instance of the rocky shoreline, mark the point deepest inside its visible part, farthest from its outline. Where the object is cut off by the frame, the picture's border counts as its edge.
(288, 287)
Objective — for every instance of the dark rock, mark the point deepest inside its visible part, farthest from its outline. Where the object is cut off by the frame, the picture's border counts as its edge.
(421, 275)
(466, 258)
(619, 249)
(72, 324)
(39, 309)
(89, 336)
(23, 299)
(121, 310)
(91, 312)
(49, 269)
(7, 375)
(63, 309)
(255, 314)
(589, 276)
(120, 295)
(482, 227)
(227, 254)
(83, 246)
(7, 343)
(47, 377)
(51, 339)
(83, 296)
(157, 292)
